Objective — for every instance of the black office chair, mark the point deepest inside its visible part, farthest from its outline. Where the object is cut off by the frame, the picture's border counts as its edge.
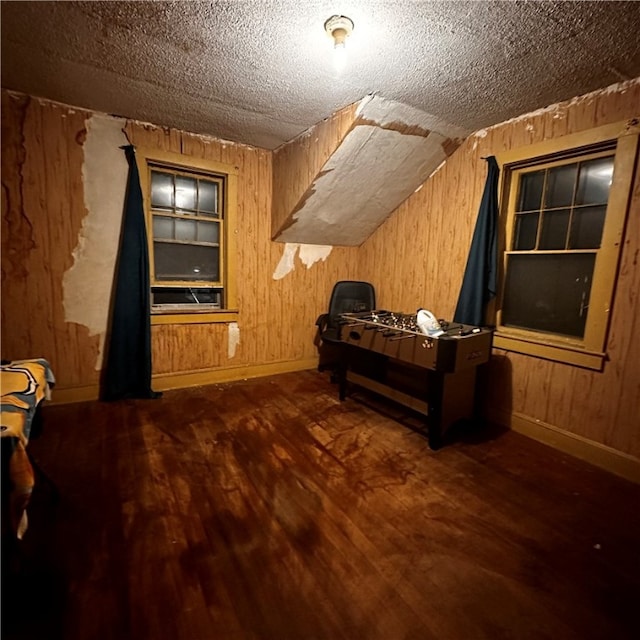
(348, 296)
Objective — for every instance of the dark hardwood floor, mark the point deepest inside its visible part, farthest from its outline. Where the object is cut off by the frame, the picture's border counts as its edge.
(267, 509)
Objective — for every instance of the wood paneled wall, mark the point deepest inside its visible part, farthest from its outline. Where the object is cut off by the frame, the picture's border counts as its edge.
(42, 213)
(297, 163)
(417, 258)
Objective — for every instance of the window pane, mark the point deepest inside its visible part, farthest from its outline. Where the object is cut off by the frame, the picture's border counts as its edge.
(208, 202)
(555, 225)
(161, 190)
(586, 227)
(186, 230)
(595, 180)
(186, 295)
(208, 232)
(560, 184)
(548, 292)
(185, 193)
(186, 262)
(531, 185)
(526, 230)
(163, 227)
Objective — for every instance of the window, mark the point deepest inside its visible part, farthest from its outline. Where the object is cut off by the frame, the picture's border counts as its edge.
(566, 203)
(190, 209)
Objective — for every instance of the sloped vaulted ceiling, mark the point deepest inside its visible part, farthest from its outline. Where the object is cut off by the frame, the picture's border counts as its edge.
(388, 151)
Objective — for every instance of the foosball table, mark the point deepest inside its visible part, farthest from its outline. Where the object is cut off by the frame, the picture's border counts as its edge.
(387, 353)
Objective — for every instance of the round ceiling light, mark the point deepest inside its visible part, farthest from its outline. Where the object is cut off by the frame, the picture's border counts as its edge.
(339, 28)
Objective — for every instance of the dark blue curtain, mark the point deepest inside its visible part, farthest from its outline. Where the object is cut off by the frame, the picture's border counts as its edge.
(480, 277)
(128, 370)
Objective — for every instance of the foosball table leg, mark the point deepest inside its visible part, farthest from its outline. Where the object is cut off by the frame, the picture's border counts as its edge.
(435, 389)
(434, 438)
(342, 377)
(450, 398)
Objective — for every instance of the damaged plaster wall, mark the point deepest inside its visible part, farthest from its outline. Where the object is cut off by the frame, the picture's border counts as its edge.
(559, 110)
(363, 182)
(390, 151)
(233, 339)
(88, 283)
(309, 254)
(390, 112)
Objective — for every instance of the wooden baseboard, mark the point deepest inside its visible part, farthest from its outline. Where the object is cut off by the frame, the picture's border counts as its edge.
(598, 454)
(164, 382)
(69, 395)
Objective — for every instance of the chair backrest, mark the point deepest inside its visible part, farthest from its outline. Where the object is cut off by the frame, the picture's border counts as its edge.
(351, 296)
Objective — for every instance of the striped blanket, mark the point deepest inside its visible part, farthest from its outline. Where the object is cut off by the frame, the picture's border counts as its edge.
(24, 384)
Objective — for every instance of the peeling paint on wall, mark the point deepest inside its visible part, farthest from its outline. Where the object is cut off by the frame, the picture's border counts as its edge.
(390, 149)
(354, 193)
(390, 114)
(478, 135)
(88, 283)
(560, 109)
(309, 254)
(234, 339)
(286, 265)
(433, 173)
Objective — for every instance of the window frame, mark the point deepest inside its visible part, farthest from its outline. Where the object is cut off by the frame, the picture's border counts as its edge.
(621, 139)
(150, 159)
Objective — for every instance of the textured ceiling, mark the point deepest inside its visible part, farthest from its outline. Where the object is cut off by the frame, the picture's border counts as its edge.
(260, 71)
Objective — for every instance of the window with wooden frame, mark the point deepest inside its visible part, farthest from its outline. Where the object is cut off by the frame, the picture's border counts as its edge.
(190, 209)
(565, 204)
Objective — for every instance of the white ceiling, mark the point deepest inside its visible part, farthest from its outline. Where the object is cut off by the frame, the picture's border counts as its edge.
(260, 71)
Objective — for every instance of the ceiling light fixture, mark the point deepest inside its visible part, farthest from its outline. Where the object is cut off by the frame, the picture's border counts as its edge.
(339, 28)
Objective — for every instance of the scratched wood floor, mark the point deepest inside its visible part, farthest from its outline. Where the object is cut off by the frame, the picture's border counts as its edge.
(267, 509)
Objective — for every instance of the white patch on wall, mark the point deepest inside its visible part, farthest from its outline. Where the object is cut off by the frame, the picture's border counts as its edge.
(433, 173)
(88, 283)
(234, 339)
(309, 254)
(481, 133)
(286, 265)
